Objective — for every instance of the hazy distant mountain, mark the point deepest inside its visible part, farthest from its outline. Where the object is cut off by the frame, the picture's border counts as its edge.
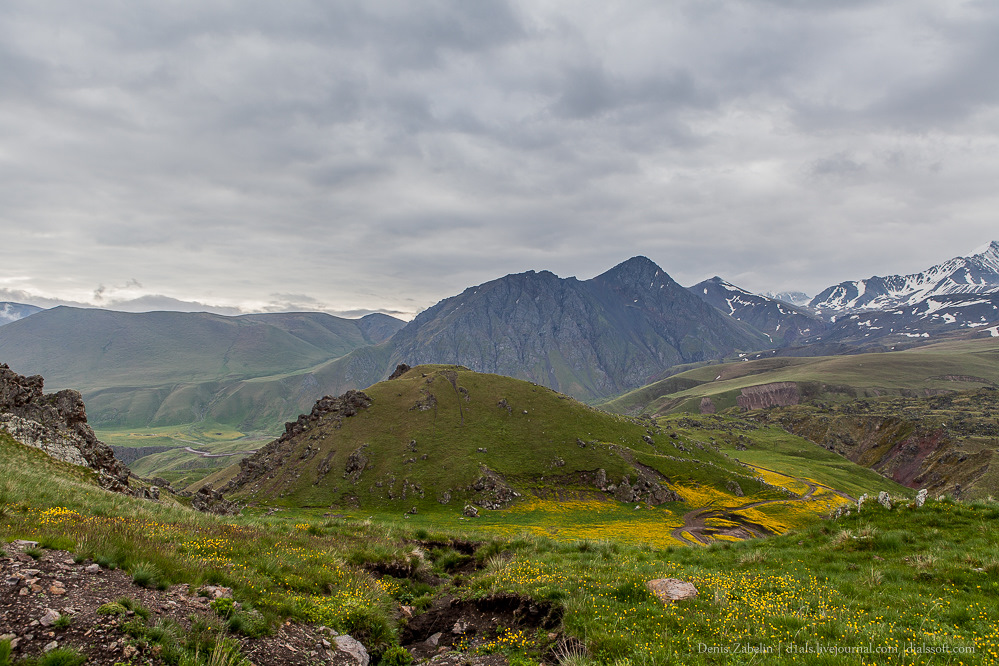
(586, 338)
(177, 367)
(13, 311)
(797, 298)
(974, 274)
(783, 323)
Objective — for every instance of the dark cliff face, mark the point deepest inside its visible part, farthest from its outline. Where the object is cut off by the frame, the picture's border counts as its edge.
(589, 338)
(57, 423)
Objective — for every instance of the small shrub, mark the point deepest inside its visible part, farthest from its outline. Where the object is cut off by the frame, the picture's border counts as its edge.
(112, 608)
(63, 621)
(36, 553)
(396, 656)
(136, 627)
(224, 607)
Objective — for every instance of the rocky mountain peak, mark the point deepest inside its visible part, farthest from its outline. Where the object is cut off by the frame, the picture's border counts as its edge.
(635, 271)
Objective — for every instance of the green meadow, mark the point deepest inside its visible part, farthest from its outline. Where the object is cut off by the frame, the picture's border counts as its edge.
(878, 586)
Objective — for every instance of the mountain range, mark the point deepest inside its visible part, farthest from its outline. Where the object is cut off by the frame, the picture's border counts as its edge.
(975, 274)
(592, 339)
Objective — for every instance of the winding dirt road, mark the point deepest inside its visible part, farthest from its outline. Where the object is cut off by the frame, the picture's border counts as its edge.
(695, 522)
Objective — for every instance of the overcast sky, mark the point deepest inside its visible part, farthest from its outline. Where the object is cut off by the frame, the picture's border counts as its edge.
(380, 156)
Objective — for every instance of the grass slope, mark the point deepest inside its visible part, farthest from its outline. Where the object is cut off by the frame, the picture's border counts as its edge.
(433, 437)
(948, 366)
(901, 586)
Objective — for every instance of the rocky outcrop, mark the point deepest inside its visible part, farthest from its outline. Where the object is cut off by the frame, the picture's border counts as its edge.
(208, 500)
(57, 424)
(778, 394)
(491, 491)
(399, 371)
(328, 410)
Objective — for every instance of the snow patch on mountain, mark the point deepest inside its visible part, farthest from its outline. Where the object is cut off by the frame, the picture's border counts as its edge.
(975, 274)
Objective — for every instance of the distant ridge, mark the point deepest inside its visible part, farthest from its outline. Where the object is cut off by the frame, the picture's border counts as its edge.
(783, 323)
(13, 311)
(975, 274)
(588, 338)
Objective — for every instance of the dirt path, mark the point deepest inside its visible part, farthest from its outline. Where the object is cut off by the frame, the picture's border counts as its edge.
(695, 522)
(206, 454)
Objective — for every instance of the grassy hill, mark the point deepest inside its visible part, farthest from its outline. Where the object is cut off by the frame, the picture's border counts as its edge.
(893, 585)
(949, 366)
(440, 437)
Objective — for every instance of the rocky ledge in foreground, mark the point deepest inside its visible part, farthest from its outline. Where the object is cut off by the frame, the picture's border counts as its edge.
(57, 424)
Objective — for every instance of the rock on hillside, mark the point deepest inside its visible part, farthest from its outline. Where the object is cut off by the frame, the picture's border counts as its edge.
(57, 424)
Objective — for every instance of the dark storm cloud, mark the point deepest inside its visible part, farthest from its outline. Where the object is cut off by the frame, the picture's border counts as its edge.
(361, 157)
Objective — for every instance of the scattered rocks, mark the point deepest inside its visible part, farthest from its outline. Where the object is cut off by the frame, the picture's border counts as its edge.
(734, 488)
(884, 500)
(470, 511)
(30, 615)
(921, 497)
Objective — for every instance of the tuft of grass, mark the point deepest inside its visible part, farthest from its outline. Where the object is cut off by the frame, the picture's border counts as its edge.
(145, 574)
(36, 553)
(61, 657)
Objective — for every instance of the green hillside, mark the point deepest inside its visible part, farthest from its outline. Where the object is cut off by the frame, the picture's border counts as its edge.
(949, 366)
(440, 437)
(896, 584)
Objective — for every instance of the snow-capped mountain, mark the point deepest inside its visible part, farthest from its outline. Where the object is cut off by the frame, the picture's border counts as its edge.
(782, 322)
(13, 311)
(798, 298)
(977, 273)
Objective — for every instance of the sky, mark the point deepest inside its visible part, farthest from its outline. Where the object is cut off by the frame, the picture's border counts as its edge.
(356, 157)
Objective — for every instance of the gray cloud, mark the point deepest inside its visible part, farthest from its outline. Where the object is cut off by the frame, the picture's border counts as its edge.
(381, 156)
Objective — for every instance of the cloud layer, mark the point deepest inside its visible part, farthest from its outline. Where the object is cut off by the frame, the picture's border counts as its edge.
(359, 157)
